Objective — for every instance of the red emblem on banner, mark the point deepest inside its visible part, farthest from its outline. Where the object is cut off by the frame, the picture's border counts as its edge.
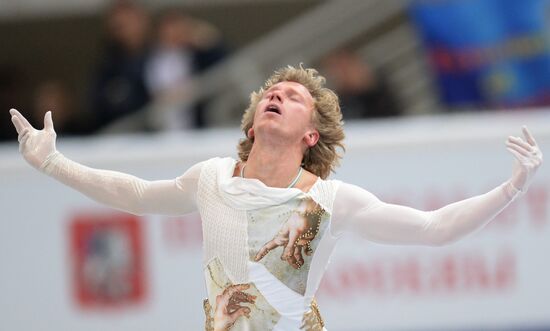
(107, 260)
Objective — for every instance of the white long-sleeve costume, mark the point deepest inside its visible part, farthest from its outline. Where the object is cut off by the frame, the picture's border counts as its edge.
(239, 216)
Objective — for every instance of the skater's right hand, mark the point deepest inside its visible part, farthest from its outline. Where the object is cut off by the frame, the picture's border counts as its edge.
(34, 145)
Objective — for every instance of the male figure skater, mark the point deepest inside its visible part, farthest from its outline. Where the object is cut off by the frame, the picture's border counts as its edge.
(272, 218)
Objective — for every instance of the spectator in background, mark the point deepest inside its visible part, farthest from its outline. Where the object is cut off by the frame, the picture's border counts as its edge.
(55, 95)
(185, 46)
(13, 88)
(119, 88)
(362, 93)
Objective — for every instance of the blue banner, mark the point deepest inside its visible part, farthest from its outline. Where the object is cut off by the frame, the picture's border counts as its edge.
(488, 53)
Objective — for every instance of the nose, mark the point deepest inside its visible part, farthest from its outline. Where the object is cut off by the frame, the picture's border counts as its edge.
(275, 96)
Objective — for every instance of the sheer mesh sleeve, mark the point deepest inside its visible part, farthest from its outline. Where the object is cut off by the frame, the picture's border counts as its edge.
(361, 212)
(126, 192)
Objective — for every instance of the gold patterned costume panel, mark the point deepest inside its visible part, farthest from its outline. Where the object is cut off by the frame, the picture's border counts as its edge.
(235, 306)
(312, 320)
(283, 238)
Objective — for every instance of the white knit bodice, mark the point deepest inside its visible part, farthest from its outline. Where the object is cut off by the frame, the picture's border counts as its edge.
(223, 227)
(239, 216)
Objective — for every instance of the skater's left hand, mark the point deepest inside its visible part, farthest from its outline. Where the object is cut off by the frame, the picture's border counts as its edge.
(35, 145)
(528, 159)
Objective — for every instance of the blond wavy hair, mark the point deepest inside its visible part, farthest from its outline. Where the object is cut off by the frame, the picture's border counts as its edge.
(322, 158)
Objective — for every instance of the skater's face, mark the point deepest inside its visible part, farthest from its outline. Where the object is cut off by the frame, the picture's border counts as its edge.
(287, 109)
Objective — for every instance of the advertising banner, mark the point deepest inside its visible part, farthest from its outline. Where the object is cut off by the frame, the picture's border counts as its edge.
(69, 263)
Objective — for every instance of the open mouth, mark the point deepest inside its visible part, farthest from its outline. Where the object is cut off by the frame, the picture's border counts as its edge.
(273, 109)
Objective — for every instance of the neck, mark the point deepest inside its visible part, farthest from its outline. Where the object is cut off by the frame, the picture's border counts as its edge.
(275, 166)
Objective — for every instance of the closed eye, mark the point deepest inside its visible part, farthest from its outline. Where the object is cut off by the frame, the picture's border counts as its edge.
(295, 97)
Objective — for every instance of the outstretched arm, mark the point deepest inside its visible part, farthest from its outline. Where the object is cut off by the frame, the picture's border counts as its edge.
(358, 210)
(114, 189)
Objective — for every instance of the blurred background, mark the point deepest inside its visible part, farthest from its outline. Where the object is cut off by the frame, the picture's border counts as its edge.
(429, 90)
